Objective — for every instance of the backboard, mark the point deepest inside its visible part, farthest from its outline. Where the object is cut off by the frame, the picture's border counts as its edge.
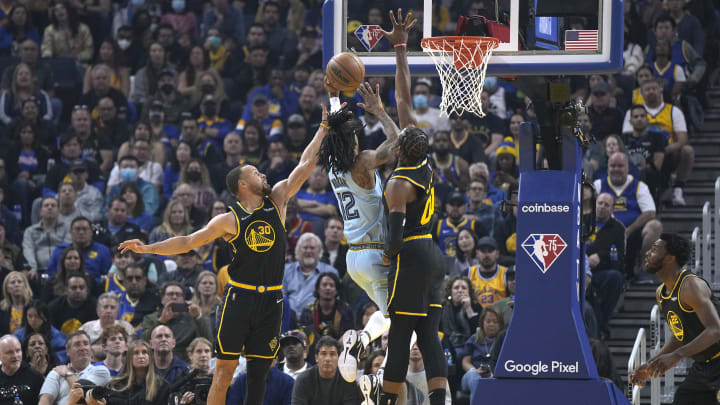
(543, 37)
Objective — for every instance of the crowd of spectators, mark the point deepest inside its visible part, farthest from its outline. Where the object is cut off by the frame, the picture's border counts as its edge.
(168, 96)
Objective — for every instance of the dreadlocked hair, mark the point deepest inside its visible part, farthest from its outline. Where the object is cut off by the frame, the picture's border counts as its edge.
(413, 145)
(337, 151)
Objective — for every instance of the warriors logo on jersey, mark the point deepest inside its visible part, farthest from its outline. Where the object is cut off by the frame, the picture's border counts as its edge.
(675, 325)
(259, 236)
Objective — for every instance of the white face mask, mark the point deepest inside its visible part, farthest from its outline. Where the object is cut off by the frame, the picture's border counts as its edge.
(124, 44)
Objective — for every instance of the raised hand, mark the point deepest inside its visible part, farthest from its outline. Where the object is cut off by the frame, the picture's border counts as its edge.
(372, 101)
(135, 245)
(401, 28)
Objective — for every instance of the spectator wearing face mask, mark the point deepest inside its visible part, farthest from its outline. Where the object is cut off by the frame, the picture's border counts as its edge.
(174, 103)
(129, 173)
(428, 118)
(214, 126)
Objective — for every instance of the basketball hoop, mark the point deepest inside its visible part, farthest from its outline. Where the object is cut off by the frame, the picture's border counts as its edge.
(461, 63)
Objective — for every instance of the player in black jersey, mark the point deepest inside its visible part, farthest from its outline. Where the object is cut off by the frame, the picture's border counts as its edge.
(416, 266)
(252, 308)
(691, 313)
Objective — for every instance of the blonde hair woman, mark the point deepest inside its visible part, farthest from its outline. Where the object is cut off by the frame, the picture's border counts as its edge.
(16, 294)
(176, 222)
(138, 381)
(205, 295)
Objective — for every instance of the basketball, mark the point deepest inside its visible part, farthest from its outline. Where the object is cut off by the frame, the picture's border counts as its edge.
(345, 71)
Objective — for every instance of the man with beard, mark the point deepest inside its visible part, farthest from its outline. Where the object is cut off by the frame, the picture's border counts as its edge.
(96, 256)
(645, 146)
(489, 279)
(71, 310)
(451, 170)
(139, 297)
(692, 315)
(322, 384)
(679, 154)
(56, 388)
(464, 144)
(251, 317)
(300, 276)
(634, 207)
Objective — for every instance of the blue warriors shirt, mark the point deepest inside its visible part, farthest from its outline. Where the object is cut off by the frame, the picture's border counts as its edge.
(446, 233)
(627, 206)
(362, 209)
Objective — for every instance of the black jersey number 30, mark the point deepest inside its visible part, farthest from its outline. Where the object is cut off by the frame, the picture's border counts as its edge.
(347, 202)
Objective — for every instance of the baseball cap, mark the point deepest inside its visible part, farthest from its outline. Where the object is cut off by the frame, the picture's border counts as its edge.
(260, 98)
(78, 165)
(296, 119)
(166, 72)
(295, 334)
(308, 31)
(156, 105)
(456, 198)
(601, 87)
(487, 241)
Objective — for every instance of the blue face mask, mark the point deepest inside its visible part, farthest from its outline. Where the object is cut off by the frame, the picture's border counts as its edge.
(138, 3)
(128, 174)
(420, 101)
(178, 5)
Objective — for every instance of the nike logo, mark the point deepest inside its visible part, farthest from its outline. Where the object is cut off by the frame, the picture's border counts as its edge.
(673, 299)
(268, 209)
(245, 217)
(279, 301)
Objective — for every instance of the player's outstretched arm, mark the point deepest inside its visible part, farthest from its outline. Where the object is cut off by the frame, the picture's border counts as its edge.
(218, 227)
(398, 38)
(397, 194)
(289, 187)
(371, 159)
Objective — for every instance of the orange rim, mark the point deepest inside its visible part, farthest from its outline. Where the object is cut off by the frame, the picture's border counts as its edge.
(464, 48)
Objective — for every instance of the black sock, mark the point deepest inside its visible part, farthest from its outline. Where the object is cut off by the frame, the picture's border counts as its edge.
(437, 397)
(387, 398)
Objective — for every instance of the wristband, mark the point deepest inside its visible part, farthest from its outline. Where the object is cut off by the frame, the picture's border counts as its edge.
(334, 104)
(399, 45)
(324, 125)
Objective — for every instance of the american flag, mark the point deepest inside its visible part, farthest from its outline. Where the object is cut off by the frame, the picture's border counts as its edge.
(581, 40)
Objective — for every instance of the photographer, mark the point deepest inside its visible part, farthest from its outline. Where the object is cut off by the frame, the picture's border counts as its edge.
(79, 395)
(196, 389)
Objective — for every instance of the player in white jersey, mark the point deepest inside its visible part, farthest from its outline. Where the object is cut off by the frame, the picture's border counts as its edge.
(358, 189)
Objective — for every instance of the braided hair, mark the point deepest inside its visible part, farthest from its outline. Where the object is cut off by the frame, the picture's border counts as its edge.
(414, 145)
(337, 151)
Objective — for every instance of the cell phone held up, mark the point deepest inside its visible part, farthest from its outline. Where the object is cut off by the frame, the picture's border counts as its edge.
(179, 307)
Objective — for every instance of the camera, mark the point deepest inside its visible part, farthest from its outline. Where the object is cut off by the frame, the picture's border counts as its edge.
(201, 390)
(98, 393)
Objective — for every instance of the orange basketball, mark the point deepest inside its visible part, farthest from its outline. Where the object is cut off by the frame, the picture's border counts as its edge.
(345, 71)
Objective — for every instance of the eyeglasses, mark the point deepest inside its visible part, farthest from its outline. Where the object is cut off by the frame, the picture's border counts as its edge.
(174, 294)
(80, 107)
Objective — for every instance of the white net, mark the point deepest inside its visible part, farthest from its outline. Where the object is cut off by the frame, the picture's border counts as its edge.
(461, 64)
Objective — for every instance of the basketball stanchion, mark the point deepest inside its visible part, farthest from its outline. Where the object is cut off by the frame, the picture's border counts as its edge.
(546, 358)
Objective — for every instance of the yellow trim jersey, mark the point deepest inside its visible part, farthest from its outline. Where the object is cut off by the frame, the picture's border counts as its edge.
(488, 290)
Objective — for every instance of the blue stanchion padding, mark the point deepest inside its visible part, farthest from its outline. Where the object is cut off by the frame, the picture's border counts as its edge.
(546, 357)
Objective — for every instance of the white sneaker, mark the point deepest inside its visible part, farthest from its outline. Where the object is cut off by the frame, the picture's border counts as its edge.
(369, 385)
(347, 362)
(678, 198)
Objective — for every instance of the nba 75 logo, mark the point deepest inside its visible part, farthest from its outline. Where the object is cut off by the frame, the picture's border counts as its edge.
(544, 248)
(369, 35)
